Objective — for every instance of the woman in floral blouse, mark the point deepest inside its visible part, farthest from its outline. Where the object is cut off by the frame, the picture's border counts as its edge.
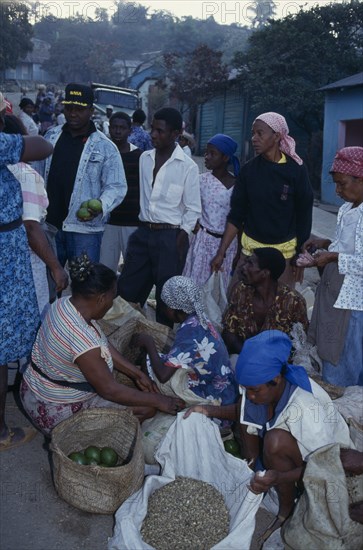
(197, 368)
(337, 320)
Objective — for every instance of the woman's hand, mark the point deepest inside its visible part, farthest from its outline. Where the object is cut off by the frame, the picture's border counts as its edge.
(170, 405)
(262, 483)
(216, 263)
(60, 278)
(323, 258)
(202, 409)
(311, 245)
(144, 383)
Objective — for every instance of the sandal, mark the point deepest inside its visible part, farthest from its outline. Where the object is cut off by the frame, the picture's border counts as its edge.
(276, 523)
(10, 443)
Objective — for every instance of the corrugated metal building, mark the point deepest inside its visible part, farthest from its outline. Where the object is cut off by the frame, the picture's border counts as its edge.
(343, 126)
(226, 113)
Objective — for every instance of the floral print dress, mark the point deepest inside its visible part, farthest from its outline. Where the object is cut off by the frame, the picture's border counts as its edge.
(215, 198)
(203, 352)
(19, 318)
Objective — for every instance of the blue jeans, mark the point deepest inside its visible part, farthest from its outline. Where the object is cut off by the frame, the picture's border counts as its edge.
(70, 245)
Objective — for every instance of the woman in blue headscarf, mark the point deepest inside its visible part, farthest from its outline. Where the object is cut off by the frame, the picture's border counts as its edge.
(284, 417)
(215, 189)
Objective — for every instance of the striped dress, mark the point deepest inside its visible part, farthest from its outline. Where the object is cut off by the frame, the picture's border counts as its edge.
(63, 336)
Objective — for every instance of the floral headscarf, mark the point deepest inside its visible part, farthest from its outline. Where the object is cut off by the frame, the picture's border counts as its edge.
(349, 160)
(182, 293)
(278, 124)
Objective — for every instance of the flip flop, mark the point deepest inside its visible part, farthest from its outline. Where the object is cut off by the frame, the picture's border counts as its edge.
(9, 443)
(274, 525)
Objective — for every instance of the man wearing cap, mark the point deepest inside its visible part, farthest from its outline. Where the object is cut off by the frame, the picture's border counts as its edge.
(85, 165)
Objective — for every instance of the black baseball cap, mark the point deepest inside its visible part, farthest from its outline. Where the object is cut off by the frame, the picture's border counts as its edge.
(78, 94)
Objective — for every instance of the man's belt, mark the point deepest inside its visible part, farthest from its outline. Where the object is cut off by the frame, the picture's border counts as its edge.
(216, 235)
(158, 226)
(12, 225)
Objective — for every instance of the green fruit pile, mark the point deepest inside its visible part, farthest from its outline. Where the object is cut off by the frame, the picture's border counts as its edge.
(89, 208)
(231, 446)
(95, 456)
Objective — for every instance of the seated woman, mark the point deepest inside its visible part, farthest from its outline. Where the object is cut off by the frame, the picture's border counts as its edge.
(72, 361)
(337, 320)
(284, 417)
(197, 368)
(260, 302)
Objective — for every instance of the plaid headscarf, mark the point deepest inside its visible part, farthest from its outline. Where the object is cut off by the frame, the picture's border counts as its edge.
(349, 160)
(278, 124)
(183, 294)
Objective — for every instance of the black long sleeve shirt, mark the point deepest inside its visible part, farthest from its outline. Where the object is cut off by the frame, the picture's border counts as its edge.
(273, 202)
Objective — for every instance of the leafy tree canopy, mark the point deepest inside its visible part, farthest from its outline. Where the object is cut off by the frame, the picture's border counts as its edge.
(15, 33)
(130, 33)
(197, 75)
(288, 60)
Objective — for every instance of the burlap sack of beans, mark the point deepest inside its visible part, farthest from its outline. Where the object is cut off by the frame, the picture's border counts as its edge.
(321, 517)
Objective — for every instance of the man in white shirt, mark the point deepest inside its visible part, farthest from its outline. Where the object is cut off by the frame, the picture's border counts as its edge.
(169, 209)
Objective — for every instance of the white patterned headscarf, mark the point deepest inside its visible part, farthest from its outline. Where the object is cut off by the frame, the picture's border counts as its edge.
(278, 124)
(182, 293)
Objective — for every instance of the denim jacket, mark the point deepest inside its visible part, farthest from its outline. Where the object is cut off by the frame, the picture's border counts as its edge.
(100, 175)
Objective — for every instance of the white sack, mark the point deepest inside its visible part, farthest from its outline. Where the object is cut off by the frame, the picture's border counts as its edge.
(215, 299)
(193, 448)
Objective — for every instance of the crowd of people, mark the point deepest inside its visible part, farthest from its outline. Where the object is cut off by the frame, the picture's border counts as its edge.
(146, 202)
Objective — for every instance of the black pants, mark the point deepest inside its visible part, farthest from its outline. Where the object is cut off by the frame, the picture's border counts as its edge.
(151, 259)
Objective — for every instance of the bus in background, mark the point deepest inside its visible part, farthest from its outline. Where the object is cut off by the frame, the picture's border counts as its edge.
(121, 99)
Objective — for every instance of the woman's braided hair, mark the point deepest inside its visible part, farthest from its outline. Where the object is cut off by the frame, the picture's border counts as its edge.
(89, 278)
(80, 268)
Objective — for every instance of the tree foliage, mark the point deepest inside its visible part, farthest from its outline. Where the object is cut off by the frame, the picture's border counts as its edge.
(262, 12)
(195, 76)
(130, 33)
(15, 33)
(290, 59)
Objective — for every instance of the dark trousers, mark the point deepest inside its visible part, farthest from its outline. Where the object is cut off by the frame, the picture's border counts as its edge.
(151, 259)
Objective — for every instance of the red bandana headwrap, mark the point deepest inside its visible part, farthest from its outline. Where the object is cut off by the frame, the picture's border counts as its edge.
(278, 124)
(349, 160)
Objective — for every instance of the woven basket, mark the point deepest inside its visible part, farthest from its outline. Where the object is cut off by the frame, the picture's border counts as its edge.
(120, 336)
(94, 488)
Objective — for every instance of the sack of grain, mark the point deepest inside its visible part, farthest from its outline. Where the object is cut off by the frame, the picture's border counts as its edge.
(94, 488)
(193, 448)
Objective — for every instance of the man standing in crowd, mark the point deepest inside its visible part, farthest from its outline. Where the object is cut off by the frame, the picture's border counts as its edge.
(124, 219)
(85, 165)
(139, 136)
(106, 121)
(169, 209)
